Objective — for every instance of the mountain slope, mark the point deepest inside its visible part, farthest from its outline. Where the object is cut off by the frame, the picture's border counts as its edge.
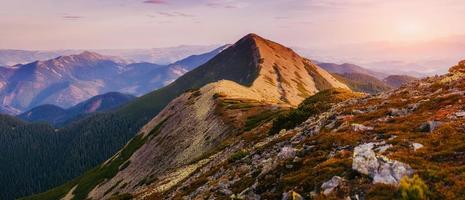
(362, 83)
(396, 81)
(57, 116)
(347, 68)
(405, 143)
(250, 82)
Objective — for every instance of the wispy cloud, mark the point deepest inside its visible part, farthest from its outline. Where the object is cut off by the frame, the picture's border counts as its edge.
(175, 14)
(72, 17)
(225, 4)
(156, 1)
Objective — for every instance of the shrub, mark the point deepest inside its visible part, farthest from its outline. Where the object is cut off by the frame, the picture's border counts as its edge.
(314, 105)
(413, 188)
(238, 155)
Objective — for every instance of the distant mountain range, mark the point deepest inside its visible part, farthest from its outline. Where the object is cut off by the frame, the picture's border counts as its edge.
(161, 56)
(58, 116)
(67, 80)
(351, 69)
(418, 58)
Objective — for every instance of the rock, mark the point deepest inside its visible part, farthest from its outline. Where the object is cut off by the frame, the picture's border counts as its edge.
(380, 168)
(364, 159)
(361, 127)
(416, 146)
(330, 185)
(398, 112)
(460, 114)
(429, 126)
(286, 153)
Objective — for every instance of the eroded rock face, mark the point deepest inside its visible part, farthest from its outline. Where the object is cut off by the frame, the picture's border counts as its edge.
(379, 167)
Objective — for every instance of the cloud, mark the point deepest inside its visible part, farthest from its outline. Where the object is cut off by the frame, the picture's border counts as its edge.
(175, 14)
(72, 17)
(225, 4)
(155, 1)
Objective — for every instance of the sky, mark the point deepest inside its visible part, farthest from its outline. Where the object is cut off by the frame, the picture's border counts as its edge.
(124, 24)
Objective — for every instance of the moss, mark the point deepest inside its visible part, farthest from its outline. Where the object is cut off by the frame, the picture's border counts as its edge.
(238, 155)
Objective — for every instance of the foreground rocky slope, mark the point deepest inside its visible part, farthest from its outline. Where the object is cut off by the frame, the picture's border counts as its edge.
(403, 144)
(263, 78)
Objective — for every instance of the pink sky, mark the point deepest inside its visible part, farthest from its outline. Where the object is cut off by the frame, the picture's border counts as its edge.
(106, 24)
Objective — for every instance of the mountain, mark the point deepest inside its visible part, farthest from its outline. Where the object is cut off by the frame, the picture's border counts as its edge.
(58, 116)
(396, 81)
(406, 143)
(362, 83)
(162, 56)
(67, 80)
(245, 83)
(347, 68)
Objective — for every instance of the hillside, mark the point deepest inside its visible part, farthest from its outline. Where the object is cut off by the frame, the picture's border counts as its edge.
(347, 68)
(262, 78)
(362, 83)
(58, 116)
(396, 81)
(403, 144)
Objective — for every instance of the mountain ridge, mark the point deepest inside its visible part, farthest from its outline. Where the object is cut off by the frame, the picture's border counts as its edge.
(242, 86)
(58, 116)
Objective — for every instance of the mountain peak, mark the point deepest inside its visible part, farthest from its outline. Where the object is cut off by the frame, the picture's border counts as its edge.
(90, 55)
(459, 68)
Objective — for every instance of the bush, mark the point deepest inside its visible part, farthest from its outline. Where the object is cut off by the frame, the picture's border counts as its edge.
(413, 188)
(238, 155)
(314, 105)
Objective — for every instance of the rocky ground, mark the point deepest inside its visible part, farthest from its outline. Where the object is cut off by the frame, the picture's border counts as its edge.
(407, 143)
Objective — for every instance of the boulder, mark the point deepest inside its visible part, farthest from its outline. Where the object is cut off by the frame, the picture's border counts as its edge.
(380, 168)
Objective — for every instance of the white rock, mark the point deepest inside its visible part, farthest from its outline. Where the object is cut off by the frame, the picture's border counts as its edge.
(361, 127)
(416, 146)
(380, 168)
(286, 153)
(460, 114)
(330, 185)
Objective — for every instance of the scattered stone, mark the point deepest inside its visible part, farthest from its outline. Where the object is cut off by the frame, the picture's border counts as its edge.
(286, 153)
(460, 114)
(330, 185)
(380, 168)
(357, 112)
(416, 146)
(361, 127)
(398, 112)
(429, 126)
